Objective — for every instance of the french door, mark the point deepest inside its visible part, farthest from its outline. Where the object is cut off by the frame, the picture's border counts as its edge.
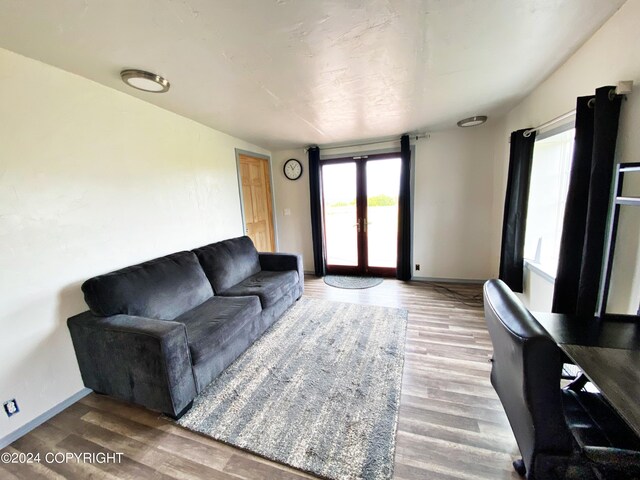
(360, 207)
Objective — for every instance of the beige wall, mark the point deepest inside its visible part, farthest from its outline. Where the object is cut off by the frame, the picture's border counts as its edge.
(294, 230)
(453, 202)
(91, 180)
(609, 56)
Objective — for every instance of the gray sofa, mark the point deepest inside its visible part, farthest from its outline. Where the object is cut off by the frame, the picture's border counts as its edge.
(157, 333)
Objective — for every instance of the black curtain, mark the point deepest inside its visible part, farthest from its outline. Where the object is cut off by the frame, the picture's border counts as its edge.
(515, 209)
(585, 215)
(315, 191)
(403, 267)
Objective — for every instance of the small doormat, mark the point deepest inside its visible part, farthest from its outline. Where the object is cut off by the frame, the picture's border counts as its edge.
(319, 391)
(343, 281)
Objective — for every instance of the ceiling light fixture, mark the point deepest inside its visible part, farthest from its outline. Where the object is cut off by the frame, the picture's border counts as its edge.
(145, 81)
(472, 121)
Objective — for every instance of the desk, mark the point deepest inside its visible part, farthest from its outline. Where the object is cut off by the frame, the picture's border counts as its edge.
(616, 373)
(590, 331)
(607, 352)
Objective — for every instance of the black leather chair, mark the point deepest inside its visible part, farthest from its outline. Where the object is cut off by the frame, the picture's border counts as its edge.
(561, 433)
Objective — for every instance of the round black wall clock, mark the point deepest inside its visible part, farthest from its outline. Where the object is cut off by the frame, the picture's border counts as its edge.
(292, 169)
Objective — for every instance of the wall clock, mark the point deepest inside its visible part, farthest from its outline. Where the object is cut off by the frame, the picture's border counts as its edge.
(292, 169)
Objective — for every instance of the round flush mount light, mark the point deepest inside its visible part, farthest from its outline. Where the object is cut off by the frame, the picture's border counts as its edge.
(145, 81)
(472, 121)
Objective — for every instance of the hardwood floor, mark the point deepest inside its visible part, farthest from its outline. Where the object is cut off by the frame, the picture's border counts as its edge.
(451, 423)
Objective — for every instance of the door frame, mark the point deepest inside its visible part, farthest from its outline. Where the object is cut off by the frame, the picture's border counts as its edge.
(360, 159)
(238, 152)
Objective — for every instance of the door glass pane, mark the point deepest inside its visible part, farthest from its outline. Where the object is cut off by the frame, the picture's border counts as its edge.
(340, 215)
(383, 186)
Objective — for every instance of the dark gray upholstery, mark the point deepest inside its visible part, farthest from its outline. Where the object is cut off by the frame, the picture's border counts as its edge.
(206, 372)
(282, 262)
(554, 428)
(278, 262)
(162, 288)
(141, 360)
(156, 334)
(217, 322)
(268, 286)
(228, 262)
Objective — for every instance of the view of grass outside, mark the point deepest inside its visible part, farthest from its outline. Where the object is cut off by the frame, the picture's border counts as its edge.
(383, 183)
(381, 200)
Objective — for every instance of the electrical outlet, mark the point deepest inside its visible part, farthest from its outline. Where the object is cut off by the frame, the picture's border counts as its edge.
(11, 407)
(417, 267)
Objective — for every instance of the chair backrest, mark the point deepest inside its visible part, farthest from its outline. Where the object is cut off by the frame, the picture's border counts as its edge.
(526, 371)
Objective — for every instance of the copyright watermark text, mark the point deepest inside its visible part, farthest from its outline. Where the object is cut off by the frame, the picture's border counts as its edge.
(60, 457)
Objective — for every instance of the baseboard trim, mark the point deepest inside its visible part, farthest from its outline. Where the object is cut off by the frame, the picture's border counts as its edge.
(434, 279)
(40, 419)
(448, 280)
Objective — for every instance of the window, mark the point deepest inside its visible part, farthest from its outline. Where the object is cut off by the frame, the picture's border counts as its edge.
(552, 155)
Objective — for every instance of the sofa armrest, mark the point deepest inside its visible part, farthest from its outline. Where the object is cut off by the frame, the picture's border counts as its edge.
(142, 360)
(279, 262)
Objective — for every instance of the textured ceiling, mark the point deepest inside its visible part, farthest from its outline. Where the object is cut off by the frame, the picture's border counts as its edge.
(285, 73)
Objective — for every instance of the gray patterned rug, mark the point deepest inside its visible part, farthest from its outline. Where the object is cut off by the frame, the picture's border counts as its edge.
(347, 281)
(319, 391)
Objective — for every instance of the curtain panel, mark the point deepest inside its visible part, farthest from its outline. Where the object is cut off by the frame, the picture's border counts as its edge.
(583, 233)
(315, 200)
(515, 209)
(403, 267)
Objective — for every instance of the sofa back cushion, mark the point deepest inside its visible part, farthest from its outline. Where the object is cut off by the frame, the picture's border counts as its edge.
(163, 288)
(229, 262)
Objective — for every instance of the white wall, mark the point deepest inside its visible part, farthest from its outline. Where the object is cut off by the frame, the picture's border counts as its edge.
(453, 201)
(294, 230)
(537, 293)
(91, 180)
(609, 56)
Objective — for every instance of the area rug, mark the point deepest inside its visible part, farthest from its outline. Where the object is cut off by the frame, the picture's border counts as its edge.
(344, 281)
(319, 391)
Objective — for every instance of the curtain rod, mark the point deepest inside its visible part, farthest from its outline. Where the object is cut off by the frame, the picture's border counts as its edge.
(364, 144)
(623, 88)
(569, 114)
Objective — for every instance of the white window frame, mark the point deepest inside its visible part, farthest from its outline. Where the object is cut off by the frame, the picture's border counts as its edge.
(530, 263)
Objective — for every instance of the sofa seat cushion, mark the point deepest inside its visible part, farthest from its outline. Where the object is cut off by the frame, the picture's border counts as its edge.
(268, 286)
(217, 322)
(163, 288)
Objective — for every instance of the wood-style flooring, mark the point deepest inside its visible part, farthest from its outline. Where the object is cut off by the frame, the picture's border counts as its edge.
(451, 423)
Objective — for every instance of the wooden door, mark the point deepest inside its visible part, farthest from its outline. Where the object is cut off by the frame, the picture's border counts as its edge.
(256, 196)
